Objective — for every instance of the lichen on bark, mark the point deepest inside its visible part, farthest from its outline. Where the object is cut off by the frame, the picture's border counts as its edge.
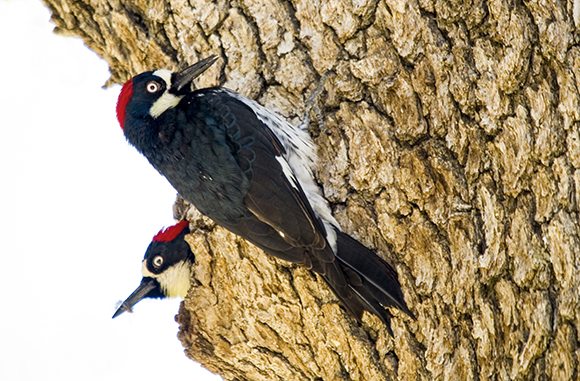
(450, 144)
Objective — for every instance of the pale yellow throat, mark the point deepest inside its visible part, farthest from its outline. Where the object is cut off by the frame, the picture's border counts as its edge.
(175, 281)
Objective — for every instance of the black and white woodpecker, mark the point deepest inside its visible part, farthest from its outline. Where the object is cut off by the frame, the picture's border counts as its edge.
(251, 171)
(166, 267)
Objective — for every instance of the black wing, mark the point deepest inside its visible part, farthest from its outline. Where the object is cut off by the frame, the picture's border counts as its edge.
(280, 218)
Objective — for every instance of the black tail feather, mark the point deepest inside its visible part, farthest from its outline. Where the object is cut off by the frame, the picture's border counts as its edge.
(357, 295)
(363, 281)
(372, 305)
(376, 275)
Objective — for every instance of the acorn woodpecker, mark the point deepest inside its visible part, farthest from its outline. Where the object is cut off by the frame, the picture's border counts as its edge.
(166, 267)
(251, 171)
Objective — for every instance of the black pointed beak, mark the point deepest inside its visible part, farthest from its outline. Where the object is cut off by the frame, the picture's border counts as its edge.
(187, 75)
(147, 285)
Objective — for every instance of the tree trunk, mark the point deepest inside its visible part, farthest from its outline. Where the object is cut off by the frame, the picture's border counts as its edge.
(448, 134)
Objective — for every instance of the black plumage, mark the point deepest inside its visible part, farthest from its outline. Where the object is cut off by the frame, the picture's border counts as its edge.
(245, 169)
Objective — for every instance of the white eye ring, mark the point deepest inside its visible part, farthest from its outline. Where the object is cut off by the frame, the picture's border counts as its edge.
(158, 261)
(153, 87)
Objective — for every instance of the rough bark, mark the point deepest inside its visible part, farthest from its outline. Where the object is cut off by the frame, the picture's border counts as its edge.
(449, 142)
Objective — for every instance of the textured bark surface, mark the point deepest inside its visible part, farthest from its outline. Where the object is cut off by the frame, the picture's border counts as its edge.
(449, 142)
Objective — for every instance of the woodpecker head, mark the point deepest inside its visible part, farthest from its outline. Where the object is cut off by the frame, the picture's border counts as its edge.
(166, 267)
(151, 93)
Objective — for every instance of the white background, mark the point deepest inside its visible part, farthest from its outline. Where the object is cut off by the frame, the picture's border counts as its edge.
(78, 207)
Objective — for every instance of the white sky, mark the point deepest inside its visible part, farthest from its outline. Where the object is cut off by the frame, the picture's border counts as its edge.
(78, 207)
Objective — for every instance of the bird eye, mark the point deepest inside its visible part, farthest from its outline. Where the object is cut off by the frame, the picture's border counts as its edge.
(158, 261)
(153, 87)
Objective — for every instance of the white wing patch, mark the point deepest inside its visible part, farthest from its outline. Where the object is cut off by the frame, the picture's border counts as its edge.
(287, 171)
(298, 163)
(166, 100)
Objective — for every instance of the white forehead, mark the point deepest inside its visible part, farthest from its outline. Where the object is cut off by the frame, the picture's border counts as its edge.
(166, 100)
(145, 271)
(165, 75)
